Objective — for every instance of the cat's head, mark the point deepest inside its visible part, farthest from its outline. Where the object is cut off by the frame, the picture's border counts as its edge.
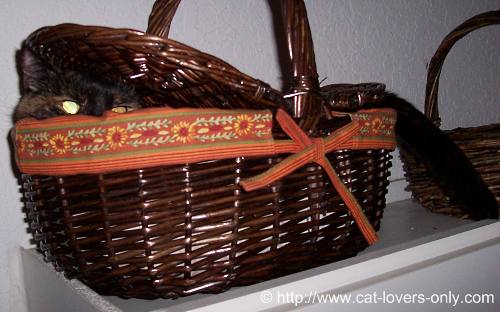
(48, 91)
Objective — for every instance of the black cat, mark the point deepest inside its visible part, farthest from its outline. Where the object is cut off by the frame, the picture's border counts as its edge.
(48, 91)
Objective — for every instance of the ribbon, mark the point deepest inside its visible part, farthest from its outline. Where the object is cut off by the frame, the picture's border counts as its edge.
(315, 150)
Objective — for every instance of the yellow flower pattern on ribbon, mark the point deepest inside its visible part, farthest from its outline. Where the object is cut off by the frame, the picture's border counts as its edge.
(243, 124)
(75, 145)
(116, 137)
(59, 143)
(183, 132)
(131, 135)
(377, 125)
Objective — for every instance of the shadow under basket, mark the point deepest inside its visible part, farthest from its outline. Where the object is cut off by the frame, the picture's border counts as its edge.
(480, 144)
(178, 229)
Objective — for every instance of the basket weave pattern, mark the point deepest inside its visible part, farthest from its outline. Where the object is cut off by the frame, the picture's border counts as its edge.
(176, 230)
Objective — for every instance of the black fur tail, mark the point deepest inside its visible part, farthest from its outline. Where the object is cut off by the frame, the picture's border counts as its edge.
(451, 168)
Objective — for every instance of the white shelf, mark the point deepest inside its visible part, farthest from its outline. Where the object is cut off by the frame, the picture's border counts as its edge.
(417, 251)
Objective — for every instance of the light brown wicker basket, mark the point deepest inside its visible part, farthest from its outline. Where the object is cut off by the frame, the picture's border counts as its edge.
(176, 230)
(480, 144)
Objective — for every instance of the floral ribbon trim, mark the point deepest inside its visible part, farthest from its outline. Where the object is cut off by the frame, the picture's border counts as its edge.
(87, 144)
(161, 136)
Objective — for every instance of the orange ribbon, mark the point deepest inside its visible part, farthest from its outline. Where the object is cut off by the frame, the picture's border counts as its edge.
(315, 150)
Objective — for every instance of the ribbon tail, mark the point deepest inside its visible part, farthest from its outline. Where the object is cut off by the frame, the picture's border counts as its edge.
(278, 171)
(352, 204)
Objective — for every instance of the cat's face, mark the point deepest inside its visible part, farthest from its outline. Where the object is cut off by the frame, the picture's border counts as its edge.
(49, 91)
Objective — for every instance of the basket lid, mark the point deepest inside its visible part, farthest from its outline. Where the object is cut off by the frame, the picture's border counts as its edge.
(160, 68)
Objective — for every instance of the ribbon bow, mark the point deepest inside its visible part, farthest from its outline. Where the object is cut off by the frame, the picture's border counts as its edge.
(314, 150)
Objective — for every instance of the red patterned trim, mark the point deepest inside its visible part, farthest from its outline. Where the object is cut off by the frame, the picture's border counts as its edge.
(161, 136)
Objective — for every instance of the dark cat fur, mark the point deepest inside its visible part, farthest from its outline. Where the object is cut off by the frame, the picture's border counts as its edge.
(45, 87)
(450, 167)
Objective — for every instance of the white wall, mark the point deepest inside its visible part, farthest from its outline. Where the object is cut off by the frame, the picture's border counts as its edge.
(388, 41)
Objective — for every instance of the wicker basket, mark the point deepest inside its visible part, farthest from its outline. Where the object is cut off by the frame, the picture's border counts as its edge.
(480, 144)
(175, 230)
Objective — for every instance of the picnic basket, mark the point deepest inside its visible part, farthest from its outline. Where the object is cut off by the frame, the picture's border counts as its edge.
(480, 144)
(200, 217)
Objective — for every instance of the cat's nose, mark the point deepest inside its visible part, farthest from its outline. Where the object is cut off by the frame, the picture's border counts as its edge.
(19, 114)
(40, 113)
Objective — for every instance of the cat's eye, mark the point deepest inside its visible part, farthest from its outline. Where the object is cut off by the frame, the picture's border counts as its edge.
(70, 107)
(121, 109)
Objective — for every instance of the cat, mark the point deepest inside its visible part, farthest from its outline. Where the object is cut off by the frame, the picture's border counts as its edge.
(49, 91)
(448, 164)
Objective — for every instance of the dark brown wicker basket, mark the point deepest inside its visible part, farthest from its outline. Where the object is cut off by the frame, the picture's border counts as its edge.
(480, 144)
(178, 230)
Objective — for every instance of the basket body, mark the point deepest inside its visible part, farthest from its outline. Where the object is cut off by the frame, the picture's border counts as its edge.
(176, 230)
(480, 144)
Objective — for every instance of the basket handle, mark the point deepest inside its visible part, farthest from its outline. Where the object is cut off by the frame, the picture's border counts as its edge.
(161, 16)
(304, 76)
(436, 63)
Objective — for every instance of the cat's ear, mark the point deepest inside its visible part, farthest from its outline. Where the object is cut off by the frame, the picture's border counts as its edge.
(35, 74)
